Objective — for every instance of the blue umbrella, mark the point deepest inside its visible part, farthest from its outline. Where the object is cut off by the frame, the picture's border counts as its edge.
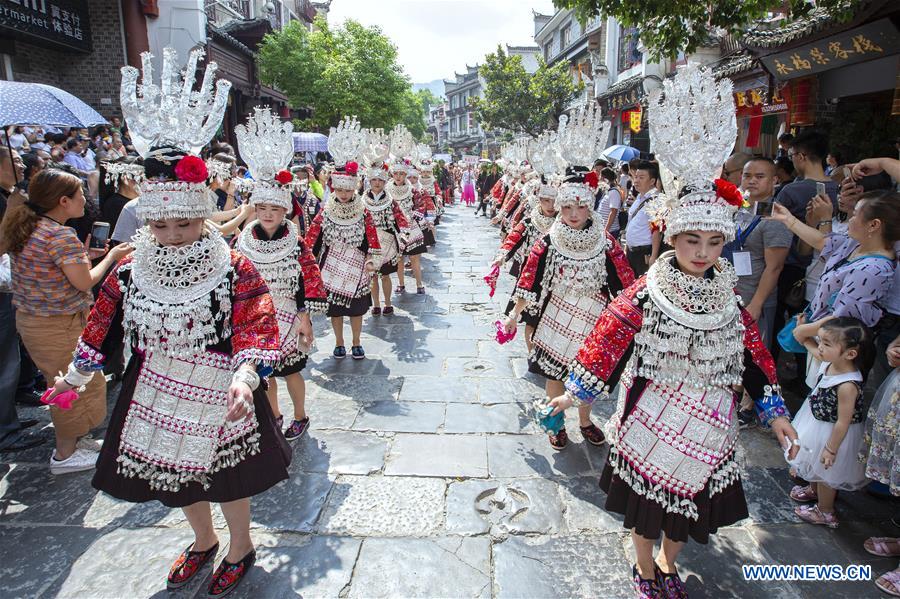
(310, 142)
(38, 104)
(621, 153)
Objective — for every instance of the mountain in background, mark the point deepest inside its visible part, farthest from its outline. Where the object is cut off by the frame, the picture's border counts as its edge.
(436, 87)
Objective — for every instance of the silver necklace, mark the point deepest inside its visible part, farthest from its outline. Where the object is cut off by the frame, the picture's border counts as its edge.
(262, 251)
(578, 244)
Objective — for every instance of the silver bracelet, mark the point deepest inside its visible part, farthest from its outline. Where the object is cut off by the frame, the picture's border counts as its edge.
(76, 378)
(248, 377)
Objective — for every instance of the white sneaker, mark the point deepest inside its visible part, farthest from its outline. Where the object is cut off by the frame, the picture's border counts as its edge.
(80, 460)
(89, 444)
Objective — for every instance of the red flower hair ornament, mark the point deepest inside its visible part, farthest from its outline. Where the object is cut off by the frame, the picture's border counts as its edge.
(284, 177)
(351, 168)
(191, 169)
(729, 192)
(592, 180)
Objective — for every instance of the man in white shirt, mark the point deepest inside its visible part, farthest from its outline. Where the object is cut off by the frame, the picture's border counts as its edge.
(642, 244)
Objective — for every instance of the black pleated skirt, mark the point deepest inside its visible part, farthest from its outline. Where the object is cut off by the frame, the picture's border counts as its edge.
(252, 476)
(358, 306)
(648, 518)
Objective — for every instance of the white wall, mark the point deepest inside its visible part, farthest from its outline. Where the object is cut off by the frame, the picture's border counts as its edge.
(181, 24)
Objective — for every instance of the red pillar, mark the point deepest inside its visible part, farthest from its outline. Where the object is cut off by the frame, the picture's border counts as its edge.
(134, 21)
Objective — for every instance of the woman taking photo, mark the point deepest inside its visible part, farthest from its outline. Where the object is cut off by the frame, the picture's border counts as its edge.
(859, 266)
(52, 280)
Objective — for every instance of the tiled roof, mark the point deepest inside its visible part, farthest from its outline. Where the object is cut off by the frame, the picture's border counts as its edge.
(786, 32)
(737, 63)
(622, 85)
(230, 40)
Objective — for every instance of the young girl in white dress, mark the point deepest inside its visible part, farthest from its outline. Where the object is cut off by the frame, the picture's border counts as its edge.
(830, 424)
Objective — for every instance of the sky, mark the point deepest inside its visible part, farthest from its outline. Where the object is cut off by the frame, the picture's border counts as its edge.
(434, 38)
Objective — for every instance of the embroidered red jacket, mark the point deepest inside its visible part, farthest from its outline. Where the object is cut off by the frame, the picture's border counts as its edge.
(619, 273)
(314, 234)
(606, 349)
(254, 327)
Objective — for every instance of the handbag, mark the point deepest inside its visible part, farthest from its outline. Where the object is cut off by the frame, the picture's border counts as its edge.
(786, 337)
(795, 298)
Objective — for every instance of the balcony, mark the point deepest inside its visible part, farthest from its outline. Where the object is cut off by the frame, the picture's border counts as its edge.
(220, 12)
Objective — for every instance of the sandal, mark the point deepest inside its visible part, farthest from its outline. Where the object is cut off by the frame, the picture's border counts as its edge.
(813, 515)
(401, 289)
(376, 311)
(388, 310)
(881, 546)
(646, 588)
(187, 565)
(560, 440)
(671, 585)
(889, 582)
(593, 435)
(803, 494)
(227, 576)
(420, 290)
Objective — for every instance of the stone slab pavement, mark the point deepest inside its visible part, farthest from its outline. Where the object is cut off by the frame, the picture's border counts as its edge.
(423, 475)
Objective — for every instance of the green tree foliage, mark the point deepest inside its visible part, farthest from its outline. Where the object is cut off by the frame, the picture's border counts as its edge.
(349, 70)
(669, 26)
(429, 100)
(518, 101)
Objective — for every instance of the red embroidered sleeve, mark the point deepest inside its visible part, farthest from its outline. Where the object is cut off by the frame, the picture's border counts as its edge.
(514, 239)
(314, 296)
(520, 213)
(619, 261)
(426, 204)
(758, 350)
(254, 329)
(314, 231)
(528, 285)
(372, 234)
(497, 190)
(399, 217)
(599, 360)
(510, 204)
(87, 352)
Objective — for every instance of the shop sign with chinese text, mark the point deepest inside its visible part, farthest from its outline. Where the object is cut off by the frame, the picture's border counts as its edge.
(746, 101)
(868, 42)
(59, 24)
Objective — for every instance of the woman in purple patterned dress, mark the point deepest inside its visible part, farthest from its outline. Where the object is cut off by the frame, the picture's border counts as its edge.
(859, 266)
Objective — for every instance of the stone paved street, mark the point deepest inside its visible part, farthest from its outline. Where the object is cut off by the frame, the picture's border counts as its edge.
(423, 475)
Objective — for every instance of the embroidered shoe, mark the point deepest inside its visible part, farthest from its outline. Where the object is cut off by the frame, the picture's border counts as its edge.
(228, 576)
(376, 311)
(296, 429)
(358, 352)
(813, 515)
(560, 440)
(340, 352)
(645, 588)
(388, 310)
(593, 435)
(401, 289)
(671, 585)
(187, 565)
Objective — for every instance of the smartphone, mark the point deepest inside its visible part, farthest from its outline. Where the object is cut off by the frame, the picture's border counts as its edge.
(99, 235)
(764, 208)
(820, 189)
